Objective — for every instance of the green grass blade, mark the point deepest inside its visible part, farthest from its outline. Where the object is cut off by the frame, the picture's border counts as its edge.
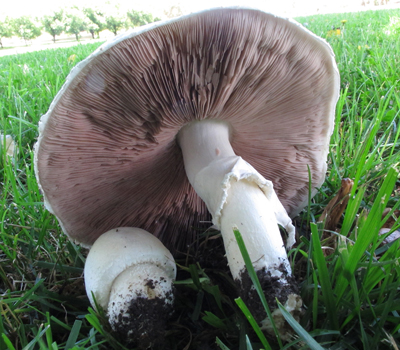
(256, 282)
(29, 293)
(248, 343)
(364, 336)
(35, 340)
(198, 306)
(7, 342)
(73, 335)
(214, 320)
(221, 344)
(49, 335)
(378, 271)
(252, 322)
(301, 332)
(315, 300)
(92, 318)
(368, 232)
(324, 278)
(352, 209)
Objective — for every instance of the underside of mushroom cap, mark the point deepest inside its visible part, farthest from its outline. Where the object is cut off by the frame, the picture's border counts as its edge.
(107, 154)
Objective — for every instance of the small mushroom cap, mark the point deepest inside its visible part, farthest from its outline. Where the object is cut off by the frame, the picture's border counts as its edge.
(107, 154)
(116, 251)
(8, 144)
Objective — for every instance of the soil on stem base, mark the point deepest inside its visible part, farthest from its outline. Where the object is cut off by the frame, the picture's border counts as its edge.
(273, 289)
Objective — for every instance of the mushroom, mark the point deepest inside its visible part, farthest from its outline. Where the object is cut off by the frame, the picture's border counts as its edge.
(8, 144)
(224, 112)
(130, 273)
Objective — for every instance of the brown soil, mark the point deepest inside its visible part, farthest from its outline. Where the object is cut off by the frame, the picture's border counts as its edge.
(272, 287)
(145, 323)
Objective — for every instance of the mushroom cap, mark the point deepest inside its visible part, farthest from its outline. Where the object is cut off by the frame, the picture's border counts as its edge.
(7, 142)
(107, 154)
(115, 252)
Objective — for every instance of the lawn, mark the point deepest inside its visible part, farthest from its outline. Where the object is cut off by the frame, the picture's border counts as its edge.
(348, 271)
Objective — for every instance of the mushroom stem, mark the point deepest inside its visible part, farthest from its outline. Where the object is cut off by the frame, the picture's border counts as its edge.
(248, 209)
(238, 196)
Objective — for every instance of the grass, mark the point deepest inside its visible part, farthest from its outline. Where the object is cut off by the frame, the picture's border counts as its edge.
(350, 283)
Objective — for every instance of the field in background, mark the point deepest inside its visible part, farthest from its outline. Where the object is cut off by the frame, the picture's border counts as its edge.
(16, 45)
(350, 279)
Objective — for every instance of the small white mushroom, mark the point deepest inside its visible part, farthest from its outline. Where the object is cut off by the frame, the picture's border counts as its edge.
(9, 145)
(130, 274)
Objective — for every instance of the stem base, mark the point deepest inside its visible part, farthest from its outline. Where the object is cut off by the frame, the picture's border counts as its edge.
(141, 302)
(284, 289)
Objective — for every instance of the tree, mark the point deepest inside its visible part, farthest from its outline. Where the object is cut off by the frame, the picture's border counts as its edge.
(26, 28)
(115, 23)
(54, 24)
(5, 31)
(173, 11)
(93, 29)
(76, 22)
(97, 21)
(115, 20)
(140, 18)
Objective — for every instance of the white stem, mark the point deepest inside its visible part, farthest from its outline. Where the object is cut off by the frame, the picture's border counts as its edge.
(248, 209)
(237, 196)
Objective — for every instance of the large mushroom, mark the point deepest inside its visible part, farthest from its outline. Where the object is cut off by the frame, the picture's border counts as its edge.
(223, 112)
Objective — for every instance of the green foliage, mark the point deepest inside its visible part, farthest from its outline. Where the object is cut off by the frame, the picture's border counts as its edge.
(76, 22)
(114, 24)
(139, 18)
(26, 28)
(97, 21)
(115, 19)
(54, 24)
(38, 271)
(173, 11)
(393, 28)
(5, 30)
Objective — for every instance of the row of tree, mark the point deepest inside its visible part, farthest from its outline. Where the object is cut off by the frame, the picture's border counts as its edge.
(74, 21)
